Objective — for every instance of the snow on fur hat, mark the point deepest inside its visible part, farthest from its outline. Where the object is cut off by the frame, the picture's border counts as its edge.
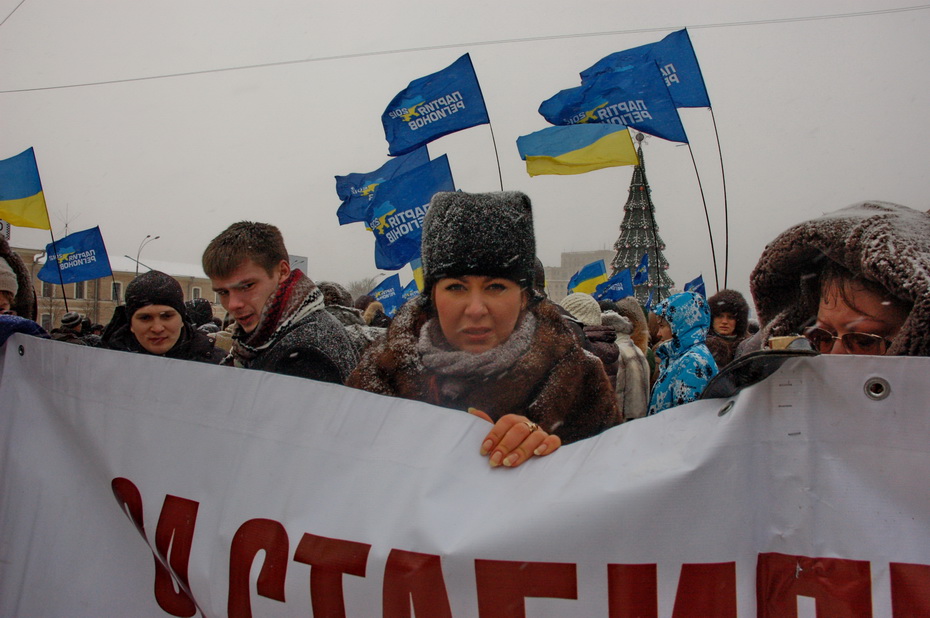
(154, 288)
(732, 302)
(583, 307)
(887, 243)
(484, 234)
(335, 294)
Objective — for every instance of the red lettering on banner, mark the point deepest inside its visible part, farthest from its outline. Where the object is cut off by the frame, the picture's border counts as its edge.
(175, 530)
(130, 501)
(328, 560)
(503, 585)
(910, 590)
(409, 575)
(839, 587)
(173, 537)
(632, 591)
(706, 590)
(253, 536)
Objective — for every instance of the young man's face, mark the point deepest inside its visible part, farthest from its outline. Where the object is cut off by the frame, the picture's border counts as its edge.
(246, 290)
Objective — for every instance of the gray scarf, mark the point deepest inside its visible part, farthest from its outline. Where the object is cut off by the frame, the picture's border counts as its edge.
(457, 366)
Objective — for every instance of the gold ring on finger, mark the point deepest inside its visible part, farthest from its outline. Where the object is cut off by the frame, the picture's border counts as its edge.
(531, 425)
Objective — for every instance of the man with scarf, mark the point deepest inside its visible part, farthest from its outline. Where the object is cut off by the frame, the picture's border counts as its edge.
(281, 325)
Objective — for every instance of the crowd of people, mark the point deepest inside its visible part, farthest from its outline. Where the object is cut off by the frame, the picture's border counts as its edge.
(482, 337)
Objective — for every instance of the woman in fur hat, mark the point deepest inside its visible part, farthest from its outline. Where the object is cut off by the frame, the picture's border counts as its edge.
(854, 281)
(479, 337)
(154, 321)
(729, 325)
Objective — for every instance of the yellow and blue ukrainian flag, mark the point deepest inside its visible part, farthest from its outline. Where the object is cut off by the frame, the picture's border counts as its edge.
(576, 149)
(588, 278)
(22, 201)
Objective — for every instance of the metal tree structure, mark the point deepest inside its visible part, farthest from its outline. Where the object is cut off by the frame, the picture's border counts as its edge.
(639, 234)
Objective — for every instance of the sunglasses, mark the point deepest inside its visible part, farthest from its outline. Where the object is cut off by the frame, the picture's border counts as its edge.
(855, 343)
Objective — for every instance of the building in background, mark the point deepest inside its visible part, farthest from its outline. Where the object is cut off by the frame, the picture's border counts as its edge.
(97, 298)
(557, 277)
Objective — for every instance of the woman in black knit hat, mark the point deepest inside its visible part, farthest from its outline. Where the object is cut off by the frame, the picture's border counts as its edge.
(154, 321)
(479, 338)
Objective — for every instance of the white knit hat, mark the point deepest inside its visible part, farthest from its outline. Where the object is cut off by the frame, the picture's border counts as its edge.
(8, 281)
(583, 307)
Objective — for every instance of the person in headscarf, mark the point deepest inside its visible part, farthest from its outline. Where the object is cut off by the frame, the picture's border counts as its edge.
(154, 321)
(480, 338)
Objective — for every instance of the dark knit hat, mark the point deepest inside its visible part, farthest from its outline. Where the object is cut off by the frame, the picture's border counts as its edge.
(732, 302)
(484, 234)
(154, 288)
(71, 319)
(199, 310)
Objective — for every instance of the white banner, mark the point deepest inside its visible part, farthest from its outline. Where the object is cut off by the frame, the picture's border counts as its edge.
(275, 496)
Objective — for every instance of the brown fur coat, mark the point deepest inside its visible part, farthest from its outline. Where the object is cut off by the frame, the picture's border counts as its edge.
(555, 383)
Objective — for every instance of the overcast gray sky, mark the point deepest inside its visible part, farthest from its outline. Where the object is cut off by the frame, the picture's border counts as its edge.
(818, 104)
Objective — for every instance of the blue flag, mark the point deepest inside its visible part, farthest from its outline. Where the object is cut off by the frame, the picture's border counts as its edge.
(356, 190)
(389, 294)
(588, 278)
(636, 98)
(641, 275)
(676, 60)
(397, 210)
(410, 291)
(697, 285)
(617, 287)
(80, 257)
(648, 305)
(433, 106)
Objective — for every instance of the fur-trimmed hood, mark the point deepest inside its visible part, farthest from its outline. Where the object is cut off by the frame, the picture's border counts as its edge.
(886, 243)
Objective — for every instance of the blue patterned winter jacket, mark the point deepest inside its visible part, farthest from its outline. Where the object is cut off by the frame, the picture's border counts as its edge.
(687, 364)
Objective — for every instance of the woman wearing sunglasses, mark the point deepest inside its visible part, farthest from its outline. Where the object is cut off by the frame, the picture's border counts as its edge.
(855, 281)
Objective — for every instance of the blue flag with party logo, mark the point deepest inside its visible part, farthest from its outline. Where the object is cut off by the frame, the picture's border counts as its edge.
(389, 294)
(397, 210)
(357, 190)
(674, 55)
(641, 275)
(617, 287)
(435, 105)
(81, 256)
(696, 285)
(636, 98)
(410, 291)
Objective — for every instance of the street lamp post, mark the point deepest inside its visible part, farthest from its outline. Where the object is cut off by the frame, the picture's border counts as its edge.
(148, 238)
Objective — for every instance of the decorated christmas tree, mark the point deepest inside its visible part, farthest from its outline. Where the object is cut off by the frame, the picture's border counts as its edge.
(639, 235)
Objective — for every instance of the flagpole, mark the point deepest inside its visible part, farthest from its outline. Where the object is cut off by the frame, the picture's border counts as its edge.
(726, 216)
(497, 157)
(61, 278)
(710, 232)
(500, 176)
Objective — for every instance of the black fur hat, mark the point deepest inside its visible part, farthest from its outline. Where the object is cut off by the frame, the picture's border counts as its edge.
(485, 234)
(732, 302)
